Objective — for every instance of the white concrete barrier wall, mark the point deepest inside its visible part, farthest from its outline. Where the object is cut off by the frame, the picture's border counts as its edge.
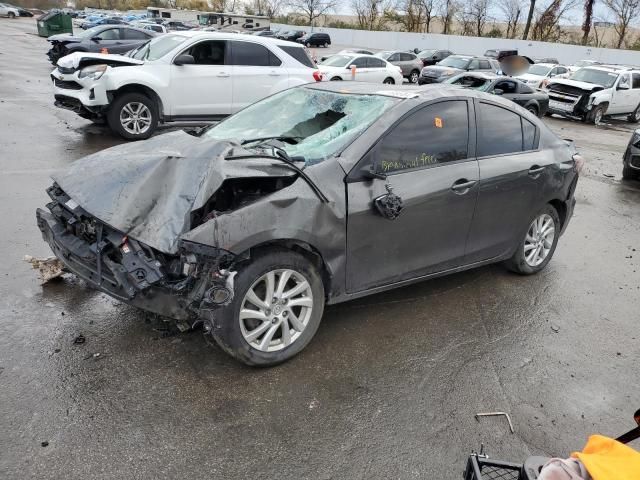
(566, 54)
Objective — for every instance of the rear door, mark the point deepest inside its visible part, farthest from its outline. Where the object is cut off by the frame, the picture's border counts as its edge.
(257, 72)
(429, 162)
(376, 70)
(513, 173)
(204, 89)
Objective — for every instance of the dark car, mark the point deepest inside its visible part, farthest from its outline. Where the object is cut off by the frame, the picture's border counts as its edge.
(431, 57)
(315, 39)
(251, 227)
(536, 101)
(264, 33)
(455, 64)
(291, 35)
(631, 159)
(103, 21)
(177, 26)
(500, 54)
(552, 60)
(113, 38)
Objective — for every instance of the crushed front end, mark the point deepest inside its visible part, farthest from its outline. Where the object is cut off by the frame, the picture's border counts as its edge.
(187, 285)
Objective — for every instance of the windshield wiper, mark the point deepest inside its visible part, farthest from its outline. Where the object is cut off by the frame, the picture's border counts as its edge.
(264, 139)
(289, 162)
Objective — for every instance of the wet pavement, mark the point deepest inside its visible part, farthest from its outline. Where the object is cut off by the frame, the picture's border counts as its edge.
(387, 389)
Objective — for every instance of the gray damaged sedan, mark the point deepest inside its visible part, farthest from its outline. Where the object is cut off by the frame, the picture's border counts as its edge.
(317, 195)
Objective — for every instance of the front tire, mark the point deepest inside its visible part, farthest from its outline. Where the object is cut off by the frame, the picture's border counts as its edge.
(596, 115)
(11, 15)
(414, 76)
(133, 116)
(389, 81)
(536, 247)
(276, 311)
(533, 109)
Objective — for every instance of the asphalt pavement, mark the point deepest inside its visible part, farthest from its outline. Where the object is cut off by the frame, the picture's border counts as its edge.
(388, 388)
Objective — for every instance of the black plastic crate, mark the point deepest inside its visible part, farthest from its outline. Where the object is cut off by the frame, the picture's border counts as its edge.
(481, 468)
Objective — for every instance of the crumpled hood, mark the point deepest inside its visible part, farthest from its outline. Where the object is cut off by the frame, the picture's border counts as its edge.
(574, 83)
(63, 37)
(437, 71)
(74, 59)
(148, 189)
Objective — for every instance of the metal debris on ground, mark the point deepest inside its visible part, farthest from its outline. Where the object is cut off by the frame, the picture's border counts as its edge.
(79, 340)
(48, 268)
(496, 414)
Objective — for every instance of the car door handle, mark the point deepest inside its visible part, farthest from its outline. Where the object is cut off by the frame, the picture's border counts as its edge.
(536, 170)
(274, 73)
(463, 185)
(223, 74)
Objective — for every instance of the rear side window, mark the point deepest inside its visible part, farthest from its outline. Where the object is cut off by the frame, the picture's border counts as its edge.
(300, 54)
(252, 54)
(134, 35)
(501, 131)
(484, 65)
(434, 135)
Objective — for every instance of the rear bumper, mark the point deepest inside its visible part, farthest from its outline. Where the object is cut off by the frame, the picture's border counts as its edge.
(79, 257)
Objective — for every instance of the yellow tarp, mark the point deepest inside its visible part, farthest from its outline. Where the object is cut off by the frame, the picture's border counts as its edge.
(607, 459)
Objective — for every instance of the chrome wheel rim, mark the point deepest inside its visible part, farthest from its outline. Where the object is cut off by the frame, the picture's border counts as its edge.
(539, 240)
(135, 118)
(276, 310)
(414, 78)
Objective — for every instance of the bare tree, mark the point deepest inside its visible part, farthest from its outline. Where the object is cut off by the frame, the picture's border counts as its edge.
(547, 25)
(588, 19)
(532, 9)
(449, 9)
(429, 7)
(372, 14)
(312, 9)
(465, 21)
(478, 12)
(625, 11)
(511, 11)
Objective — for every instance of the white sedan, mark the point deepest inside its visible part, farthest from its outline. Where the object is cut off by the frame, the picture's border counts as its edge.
(539, 74)
(367, 69)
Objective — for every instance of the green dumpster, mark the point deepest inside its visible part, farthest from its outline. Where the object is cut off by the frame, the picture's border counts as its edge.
(53, 23)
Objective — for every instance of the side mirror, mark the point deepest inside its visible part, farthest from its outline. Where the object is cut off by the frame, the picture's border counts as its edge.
(370, 173)
(498, 91)
(184, 59)
(623, 86)
(96, 38)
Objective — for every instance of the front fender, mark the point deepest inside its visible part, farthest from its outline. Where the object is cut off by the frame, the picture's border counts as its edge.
(159, 82)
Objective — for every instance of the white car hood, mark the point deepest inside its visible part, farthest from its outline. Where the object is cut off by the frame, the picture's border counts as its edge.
(73, 59)
(529, 76)
(577, 84)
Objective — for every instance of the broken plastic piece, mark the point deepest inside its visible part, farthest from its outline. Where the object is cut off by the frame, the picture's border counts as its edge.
(495, 414)
(48, 268)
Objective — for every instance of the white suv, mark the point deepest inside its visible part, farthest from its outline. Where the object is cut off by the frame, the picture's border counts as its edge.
(182, 76)
(9, 11)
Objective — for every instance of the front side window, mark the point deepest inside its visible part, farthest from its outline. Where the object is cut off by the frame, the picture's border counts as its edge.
(210, 52)
(507, 86)
(110, 34)
(317, 123)
(360, 62)
(499, 131)
(432, 136)
(484, 65)
(252, 54)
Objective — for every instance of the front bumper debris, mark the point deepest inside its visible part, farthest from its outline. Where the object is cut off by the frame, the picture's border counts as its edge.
(187, 286)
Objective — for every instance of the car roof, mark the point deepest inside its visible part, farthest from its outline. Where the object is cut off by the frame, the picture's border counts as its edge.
(204, 35)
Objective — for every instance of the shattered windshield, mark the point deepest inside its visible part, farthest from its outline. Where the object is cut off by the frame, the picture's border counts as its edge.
(455, 62)
(470, 81)
(597, 77)
(321, 122)
(158, 47)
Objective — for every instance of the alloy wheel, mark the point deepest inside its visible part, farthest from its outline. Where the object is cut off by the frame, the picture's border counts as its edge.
(135, 118)
(276, 310)
(414, 78)
(539, 240)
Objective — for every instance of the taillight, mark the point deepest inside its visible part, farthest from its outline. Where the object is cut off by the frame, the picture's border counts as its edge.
(578, 162)
(317, 75)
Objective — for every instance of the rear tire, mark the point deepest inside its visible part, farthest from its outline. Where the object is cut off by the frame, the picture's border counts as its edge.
(634, 117)
(133, 116)
(536, 239)
(389, 81)
(326, 45)
(336, 79)
(243, 337)
(533, 109)
(414, 76)
(11, 15)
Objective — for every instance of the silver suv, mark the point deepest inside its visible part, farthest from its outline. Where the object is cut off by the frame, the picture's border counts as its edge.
(408, 62)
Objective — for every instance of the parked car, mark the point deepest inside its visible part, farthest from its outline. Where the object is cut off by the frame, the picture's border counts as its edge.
(552, 60)
(431, 57)
(500, 54)
(368, 69)
(114, 38)
(315, 39)
(174, 25)
(455, 64)
(408, 63)
(9, 11)
(631, 159)
(581, 64)
(593, 93)
(181, 76)
(264, 33)
(22, 12)
(292, 35)
(348, 50)
(261, 226)
(539, 74)
(154, 27)
(536, 101)
(102, 21)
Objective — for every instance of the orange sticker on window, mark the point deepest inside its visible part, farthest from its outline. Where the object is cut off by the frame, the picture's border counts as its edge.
(437, 122)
